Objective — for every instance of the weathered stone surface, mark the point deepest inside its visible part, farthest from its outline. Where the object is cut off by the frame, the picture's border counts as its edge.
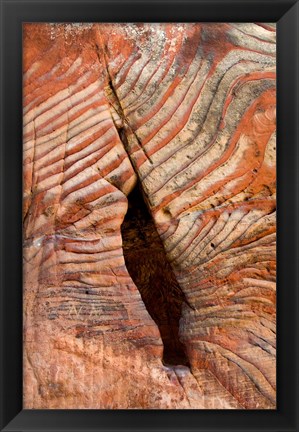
(189, 110)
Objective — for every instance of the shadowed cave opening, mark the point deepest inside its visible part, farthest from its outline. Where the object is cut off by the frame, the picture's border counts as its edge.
(152, 274)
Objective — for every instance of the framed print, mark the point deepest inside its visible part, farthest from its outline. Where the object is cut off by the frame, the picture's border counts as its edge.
(143, 146)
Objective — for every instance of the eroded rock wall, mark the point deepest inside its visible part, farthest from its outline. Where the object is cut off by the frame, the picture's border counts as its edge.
(189, 110)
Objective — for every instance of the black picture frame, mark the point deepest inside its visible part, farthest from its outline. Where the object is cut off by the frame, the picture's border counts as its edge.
(13, 14)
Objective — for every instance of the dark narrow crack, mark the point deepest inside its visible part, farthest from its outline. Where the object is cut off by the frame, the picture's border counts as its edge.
(143, 249)
(152, 274)
(126, 126)
(115, 103)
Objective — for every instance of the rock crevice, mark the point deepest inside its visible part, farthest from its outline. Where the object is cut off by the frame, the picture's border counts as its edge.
(151, 272)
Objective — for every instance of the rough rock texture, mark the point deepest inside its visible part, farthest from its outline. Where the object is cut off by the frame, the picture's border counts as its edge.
(189, 111)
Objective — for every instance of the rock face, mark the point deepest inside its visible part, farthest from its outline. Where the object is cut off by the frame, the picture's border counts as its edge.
(176, 307)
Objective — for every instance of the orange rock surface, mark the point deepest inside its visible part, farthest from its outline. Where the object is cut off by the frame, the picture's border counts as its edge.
(188, 112)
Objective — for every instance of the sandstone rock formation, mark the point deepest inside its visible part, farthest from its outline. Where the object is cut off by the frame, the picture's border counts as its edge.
(187, 111)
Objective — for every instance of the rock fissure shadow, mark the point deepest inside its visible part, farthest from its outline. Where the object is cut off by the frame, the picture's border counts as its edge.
(152, 274)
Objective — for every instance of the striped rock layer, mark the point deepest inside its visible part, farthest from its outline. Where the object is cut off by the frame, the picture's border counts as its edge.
(188, 111)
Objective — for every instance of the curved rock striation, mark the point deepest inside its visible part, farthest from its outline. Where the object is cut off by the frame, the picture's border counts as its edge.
(189, 111)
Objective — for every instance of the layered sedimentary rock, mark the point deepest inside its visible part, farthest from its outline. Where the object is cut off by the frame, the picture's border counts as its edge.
(188, 111)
